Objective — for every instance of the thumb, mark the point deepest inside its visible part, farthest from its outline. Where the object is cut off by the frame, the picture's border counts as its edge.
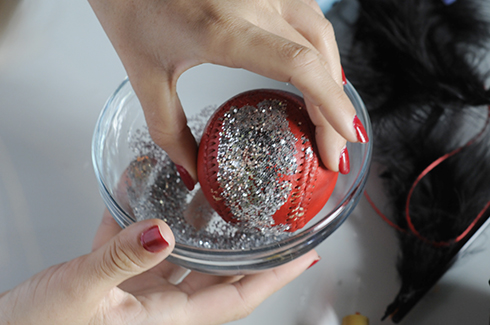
(133, 251)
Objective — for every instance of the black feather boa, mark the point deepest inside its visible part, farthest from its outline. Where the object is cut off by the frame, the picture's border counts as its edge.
(418, 65)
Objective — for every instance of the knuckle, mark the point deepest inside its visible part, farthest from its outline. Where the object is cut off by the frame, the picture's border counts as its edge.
(224, 36)
(299, 56)
(326, 30)
(119, 259)
(215, 23)
(336, 96)
(339, 97)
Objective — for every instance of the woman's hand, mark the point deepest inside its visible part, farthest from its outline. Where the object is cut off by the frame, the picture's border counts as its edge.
(286, 40)
(125, 280)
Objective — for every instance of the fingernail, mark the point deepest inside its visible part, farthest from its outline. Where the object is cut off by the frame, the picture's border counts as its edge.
(186, 177)
(152, 240)
(314, 262)
(344, 80)
(360, 131)
(344, 164)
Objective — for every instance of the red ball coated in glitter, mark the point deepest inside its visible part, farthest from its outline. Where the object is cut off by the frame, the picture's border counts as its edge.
(309, 184)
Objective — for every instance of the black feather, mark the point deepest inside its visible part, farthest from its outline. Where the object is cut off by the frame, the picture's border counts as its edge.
(443, 205)
(418, 65)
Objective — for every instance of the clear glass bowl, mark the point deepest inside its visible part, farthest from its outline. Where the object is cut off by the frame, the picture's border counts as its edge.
(122, 120)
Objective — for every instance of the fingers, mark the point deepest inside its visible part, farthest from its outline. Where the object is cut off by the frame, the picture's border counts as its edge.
(304, 25)
(167, 122)
(295, 44)
(329, 143)
(307, 31)
(132, 251)
(332, 149)
(227, 302)
(302, 66)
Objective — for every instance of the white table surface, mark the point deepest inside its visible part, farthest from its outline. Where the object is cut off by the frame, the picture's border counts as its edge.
(56, 70)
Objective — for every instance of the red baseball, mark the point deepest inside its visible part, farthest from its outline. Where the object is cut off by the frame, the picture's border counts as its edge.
(258, 161)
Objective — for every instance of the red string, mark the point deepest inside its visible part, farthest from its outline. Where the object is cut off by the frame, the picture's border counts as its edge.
(385, 218)
(418, 179)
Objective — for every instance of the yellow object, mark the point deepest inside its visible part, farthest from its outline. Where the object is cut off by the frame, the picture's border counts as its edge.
(356, 319)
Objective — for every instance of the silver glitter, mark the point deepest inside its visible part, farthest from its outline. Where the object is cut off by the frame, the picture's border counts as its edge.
(256, 147)
(154, 185)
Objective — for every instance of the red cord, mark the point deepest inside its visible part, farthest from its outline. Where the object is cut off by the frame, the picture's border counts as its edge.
(419, 178)
(385, 218)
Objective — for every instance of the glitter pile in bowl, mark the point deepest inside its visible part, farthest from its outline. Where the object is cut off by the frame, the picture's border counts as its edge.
(155, 190)
(262, 172)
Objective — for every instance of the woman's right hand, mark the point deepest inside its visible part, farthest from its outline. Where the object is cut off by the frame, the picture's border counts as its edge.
(286, 40)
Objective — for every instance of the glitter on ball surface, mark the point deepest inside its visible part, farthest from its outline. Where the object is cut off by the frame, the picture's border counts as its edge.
(255, 148)
(258, 162)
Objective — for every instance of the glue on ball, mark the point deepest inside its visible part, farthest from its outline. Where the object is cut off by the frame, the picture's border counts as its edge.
(258, 162)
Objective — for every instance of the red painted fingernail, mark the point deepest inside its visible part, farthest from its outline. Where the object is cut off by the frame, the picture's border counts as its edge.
(360, 131)
(314, 262)
(186, 177)
(152, 240)
(344, 164)
(344, 80)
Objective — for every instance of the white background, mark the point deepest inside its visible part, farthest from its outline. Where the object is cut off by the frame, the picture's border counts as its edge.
(57, 68)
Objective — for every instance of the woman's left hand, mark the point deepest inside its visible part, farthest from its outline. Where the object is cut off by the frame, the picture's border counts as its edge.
(125, 280)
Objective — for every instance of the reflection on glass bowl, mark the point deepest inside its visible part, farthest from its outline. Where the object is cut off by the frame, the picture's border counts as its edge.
(138, 181)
